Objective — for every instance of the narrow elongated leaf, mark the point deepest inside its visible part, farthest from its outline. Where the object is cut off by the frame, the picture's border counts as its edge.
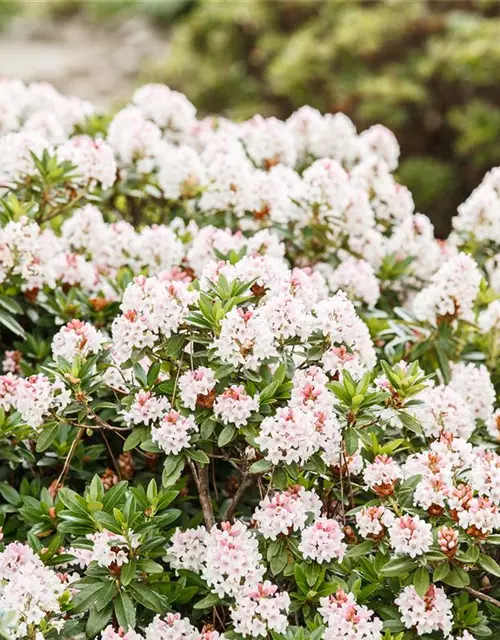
(125, 611)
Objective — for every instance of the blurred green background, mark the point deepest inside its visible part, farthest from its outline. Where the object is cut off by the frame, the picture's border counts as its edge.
(426, 69)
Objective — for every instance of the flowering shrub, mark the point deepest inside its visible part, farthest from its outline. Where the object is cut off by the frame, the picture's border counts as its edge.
(246, 393)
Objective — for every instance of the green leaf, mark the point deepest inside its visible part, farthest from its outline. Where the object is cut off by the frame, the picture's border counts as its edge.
(47, 437)
(301, 578)
(421, 581)
(444, 363)
(278, 562)
(10, 494)
(207, 428)
(10, 304)
(172, 472)
(351, 440)
(134, 439)
(470, 556)
(198, 456)
(226, 435)
(174, 346)
(360, 549)
(140, 375)
(147, 597)
(441, 571)
(11, 324)
(410, 422)
(97, 620)
(208, 602)
(114, 496)
(128, 572)
(397, 567)
(153, 373)
(268, 392)
(166, 518)
(125, 611)
(149, 566)
(87, 597)
(488, 564)
(261, 466)
(456, 578)
(314, 573)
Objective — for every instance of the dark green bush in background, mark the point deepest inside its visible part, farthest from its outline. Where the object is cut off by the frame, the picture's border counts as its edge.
(427, 70)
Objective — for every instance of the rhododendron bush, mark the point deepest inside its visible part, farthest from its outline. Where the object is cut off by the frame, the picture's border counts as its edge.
(246, 393)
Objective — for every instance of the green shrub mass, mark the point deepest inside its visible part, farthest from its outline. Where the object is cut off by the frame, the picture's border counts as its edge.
(427, 70)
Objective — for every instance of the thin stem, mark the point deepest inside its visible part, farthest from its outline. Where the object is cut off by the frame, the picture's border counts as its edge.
(214, 481)
(246, 481)
(177, 377)
(342, 486)
(395, 505)
(103, 425)
(261, 488)
(200, 475)
(482, 596)
(60, 209)
(71, 453)
(111, 455)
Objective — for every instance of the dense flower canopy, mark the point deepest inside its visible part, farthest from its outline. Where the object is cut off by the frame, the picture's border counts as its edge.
(246, 393)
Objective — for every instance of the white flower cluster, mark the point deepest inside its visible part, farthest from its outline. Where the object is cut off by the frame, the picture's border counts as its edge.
(410, 536)
(235, 406)
(228, 557)
(229, 561)
(192, 384)
(382, 474)
(88, 254)
(347, 620)
(372, 522)
(306, 426)
(312, 169)
(451, 293)
(432, 612)
(460, 479)
(261, 611)
(169, 627)
(77, 338)
(35, 397)
(322, 541)
(29, 592)
(150, 307)
(286, 511)
(477, 217)
(277, 300)
(106, 549)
